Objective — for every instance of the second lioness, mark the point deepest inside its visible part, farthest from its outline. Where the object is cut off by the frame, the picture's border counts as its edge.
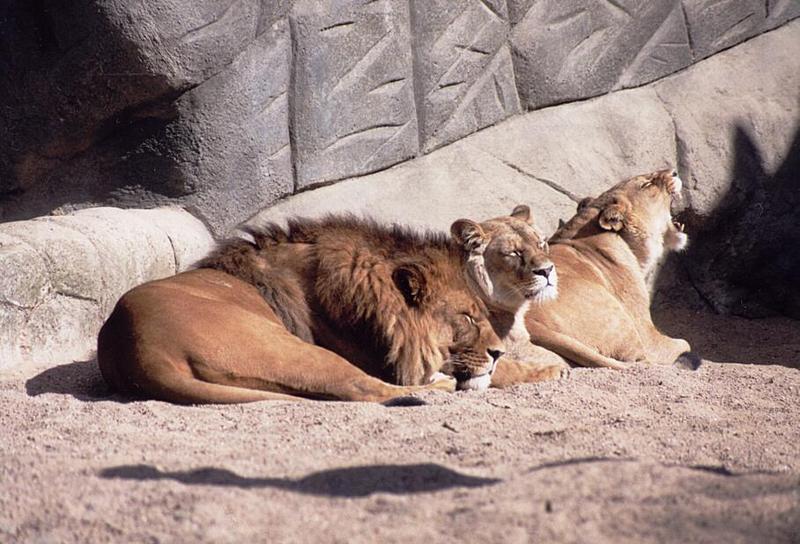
(605, 254)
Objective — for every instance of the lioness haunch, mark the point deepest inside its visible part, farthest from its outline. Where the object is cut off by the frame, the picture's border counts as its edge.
(604, 255)
(326, 309)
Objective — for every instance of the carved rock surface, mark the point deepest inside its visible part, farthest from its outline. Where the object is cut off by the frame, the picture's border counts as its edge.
(464, 75)
(716, 25)
(566, 50)
(89, 103)
(225, 107)
(353, 92)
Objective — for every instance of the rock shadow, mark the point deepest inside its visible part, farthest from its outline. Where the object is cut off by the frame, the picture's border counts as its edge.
(744, 257)
(358, 481)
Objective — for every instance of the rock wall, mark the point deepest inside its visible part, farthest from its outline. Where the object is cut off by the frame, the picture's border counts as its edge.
(731, 123)
(227, 107)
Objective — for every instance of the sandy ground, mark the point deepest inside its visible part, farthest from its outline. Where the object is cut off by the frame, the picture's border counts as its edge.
(650, 455)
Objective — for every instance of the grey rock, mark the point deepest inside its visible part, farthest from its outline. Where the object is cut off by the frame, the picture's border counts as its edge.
(517, 9)
(711, 99)
(780, 12)
(717, 25)
(667, 51)
(231, 137)
(567, 50)
(738, 145)
(459, 180)
(464, 75)
(189, 238)
(353, 109)
(61, 330)
(62, 275)
(579, 149)
(12, 322)
(25, 282)
(90, 106)
(71, 259)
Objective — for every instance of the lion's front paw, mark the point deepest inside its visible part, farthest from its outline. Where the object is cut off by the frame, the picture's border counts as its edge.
(442, 382)
(558, 371)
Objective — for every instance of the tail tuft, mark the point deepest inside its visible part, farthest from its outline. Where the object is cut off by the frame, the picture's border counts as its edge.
(688, 360)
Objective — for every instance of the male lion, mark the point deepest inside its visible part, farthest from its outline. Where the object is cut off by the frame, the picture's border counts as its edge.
(282, 318)
(509, 267)
(604, 255)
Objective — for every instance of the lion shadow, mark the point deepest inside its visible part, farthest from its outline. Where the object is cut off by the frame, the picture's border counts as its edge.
(360, 481)
(80, 379)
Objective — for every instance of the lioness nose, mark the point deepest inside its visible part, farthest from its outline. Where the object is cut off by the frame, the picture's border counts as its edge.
(544, 271)
(495, 354)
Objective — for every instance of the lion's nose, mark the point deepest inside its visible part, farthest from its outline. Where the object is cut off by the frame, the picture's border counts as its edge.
(495, 354)
(544, 272)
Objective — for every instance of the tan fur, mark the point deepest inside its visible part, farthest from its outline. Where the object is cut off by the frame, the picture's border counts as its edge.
(329, 309)
(604, 255)
(508, 265)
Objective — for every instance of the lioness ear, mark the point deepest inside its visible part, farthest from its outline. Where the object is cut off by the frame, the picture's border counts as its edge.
(522, 212)
(561, 224)
(613, 216)
(584, 203)
(469, 235)
(412, 281)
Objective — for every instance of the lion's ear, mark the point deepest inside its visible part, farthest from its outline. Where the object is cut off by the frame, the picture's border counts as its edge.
(412, 281)
(522, 212)
(469, 235)
(613, 216)
(584, 203)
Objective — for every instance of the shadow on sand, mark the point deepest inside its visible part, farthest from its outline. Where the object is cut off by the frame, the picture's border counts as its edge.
(342, 482)
(81, 379)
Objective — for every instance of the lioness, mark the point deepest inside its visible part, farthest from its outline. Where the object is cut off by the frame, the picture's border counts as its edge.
(281, 318)
(509, 267)
(604, 255)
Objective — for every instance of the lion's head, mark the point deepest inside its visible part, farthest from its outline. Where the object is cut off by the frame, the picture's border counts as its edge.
(638, 209)
(451, 328)
(507, 259)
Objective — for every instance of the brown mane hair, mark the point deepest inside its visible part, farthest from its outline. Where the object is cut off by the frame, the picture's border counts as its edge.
(374, 283)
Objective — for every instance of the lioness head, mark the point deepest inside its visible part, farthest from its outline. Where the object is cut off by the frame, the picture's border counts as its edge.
(638, 209)
(507, 259)
(454, 322)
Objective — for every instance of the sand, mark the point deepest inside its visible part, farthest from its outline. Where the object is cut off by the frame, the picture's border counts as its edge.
(655, 454)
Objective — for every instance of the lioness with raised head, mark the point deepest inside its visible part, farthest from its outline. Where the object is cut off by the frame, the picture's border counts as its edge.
(280, 317)
(604, 255)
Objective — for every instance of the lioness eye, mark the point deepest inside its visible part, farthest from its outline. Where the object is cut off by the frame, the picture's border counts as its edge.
(646, 184)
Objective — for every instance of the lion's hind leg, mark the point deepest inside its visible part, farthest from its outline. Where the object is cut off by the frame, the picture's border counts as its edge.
(271, 359)
(180, 389)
